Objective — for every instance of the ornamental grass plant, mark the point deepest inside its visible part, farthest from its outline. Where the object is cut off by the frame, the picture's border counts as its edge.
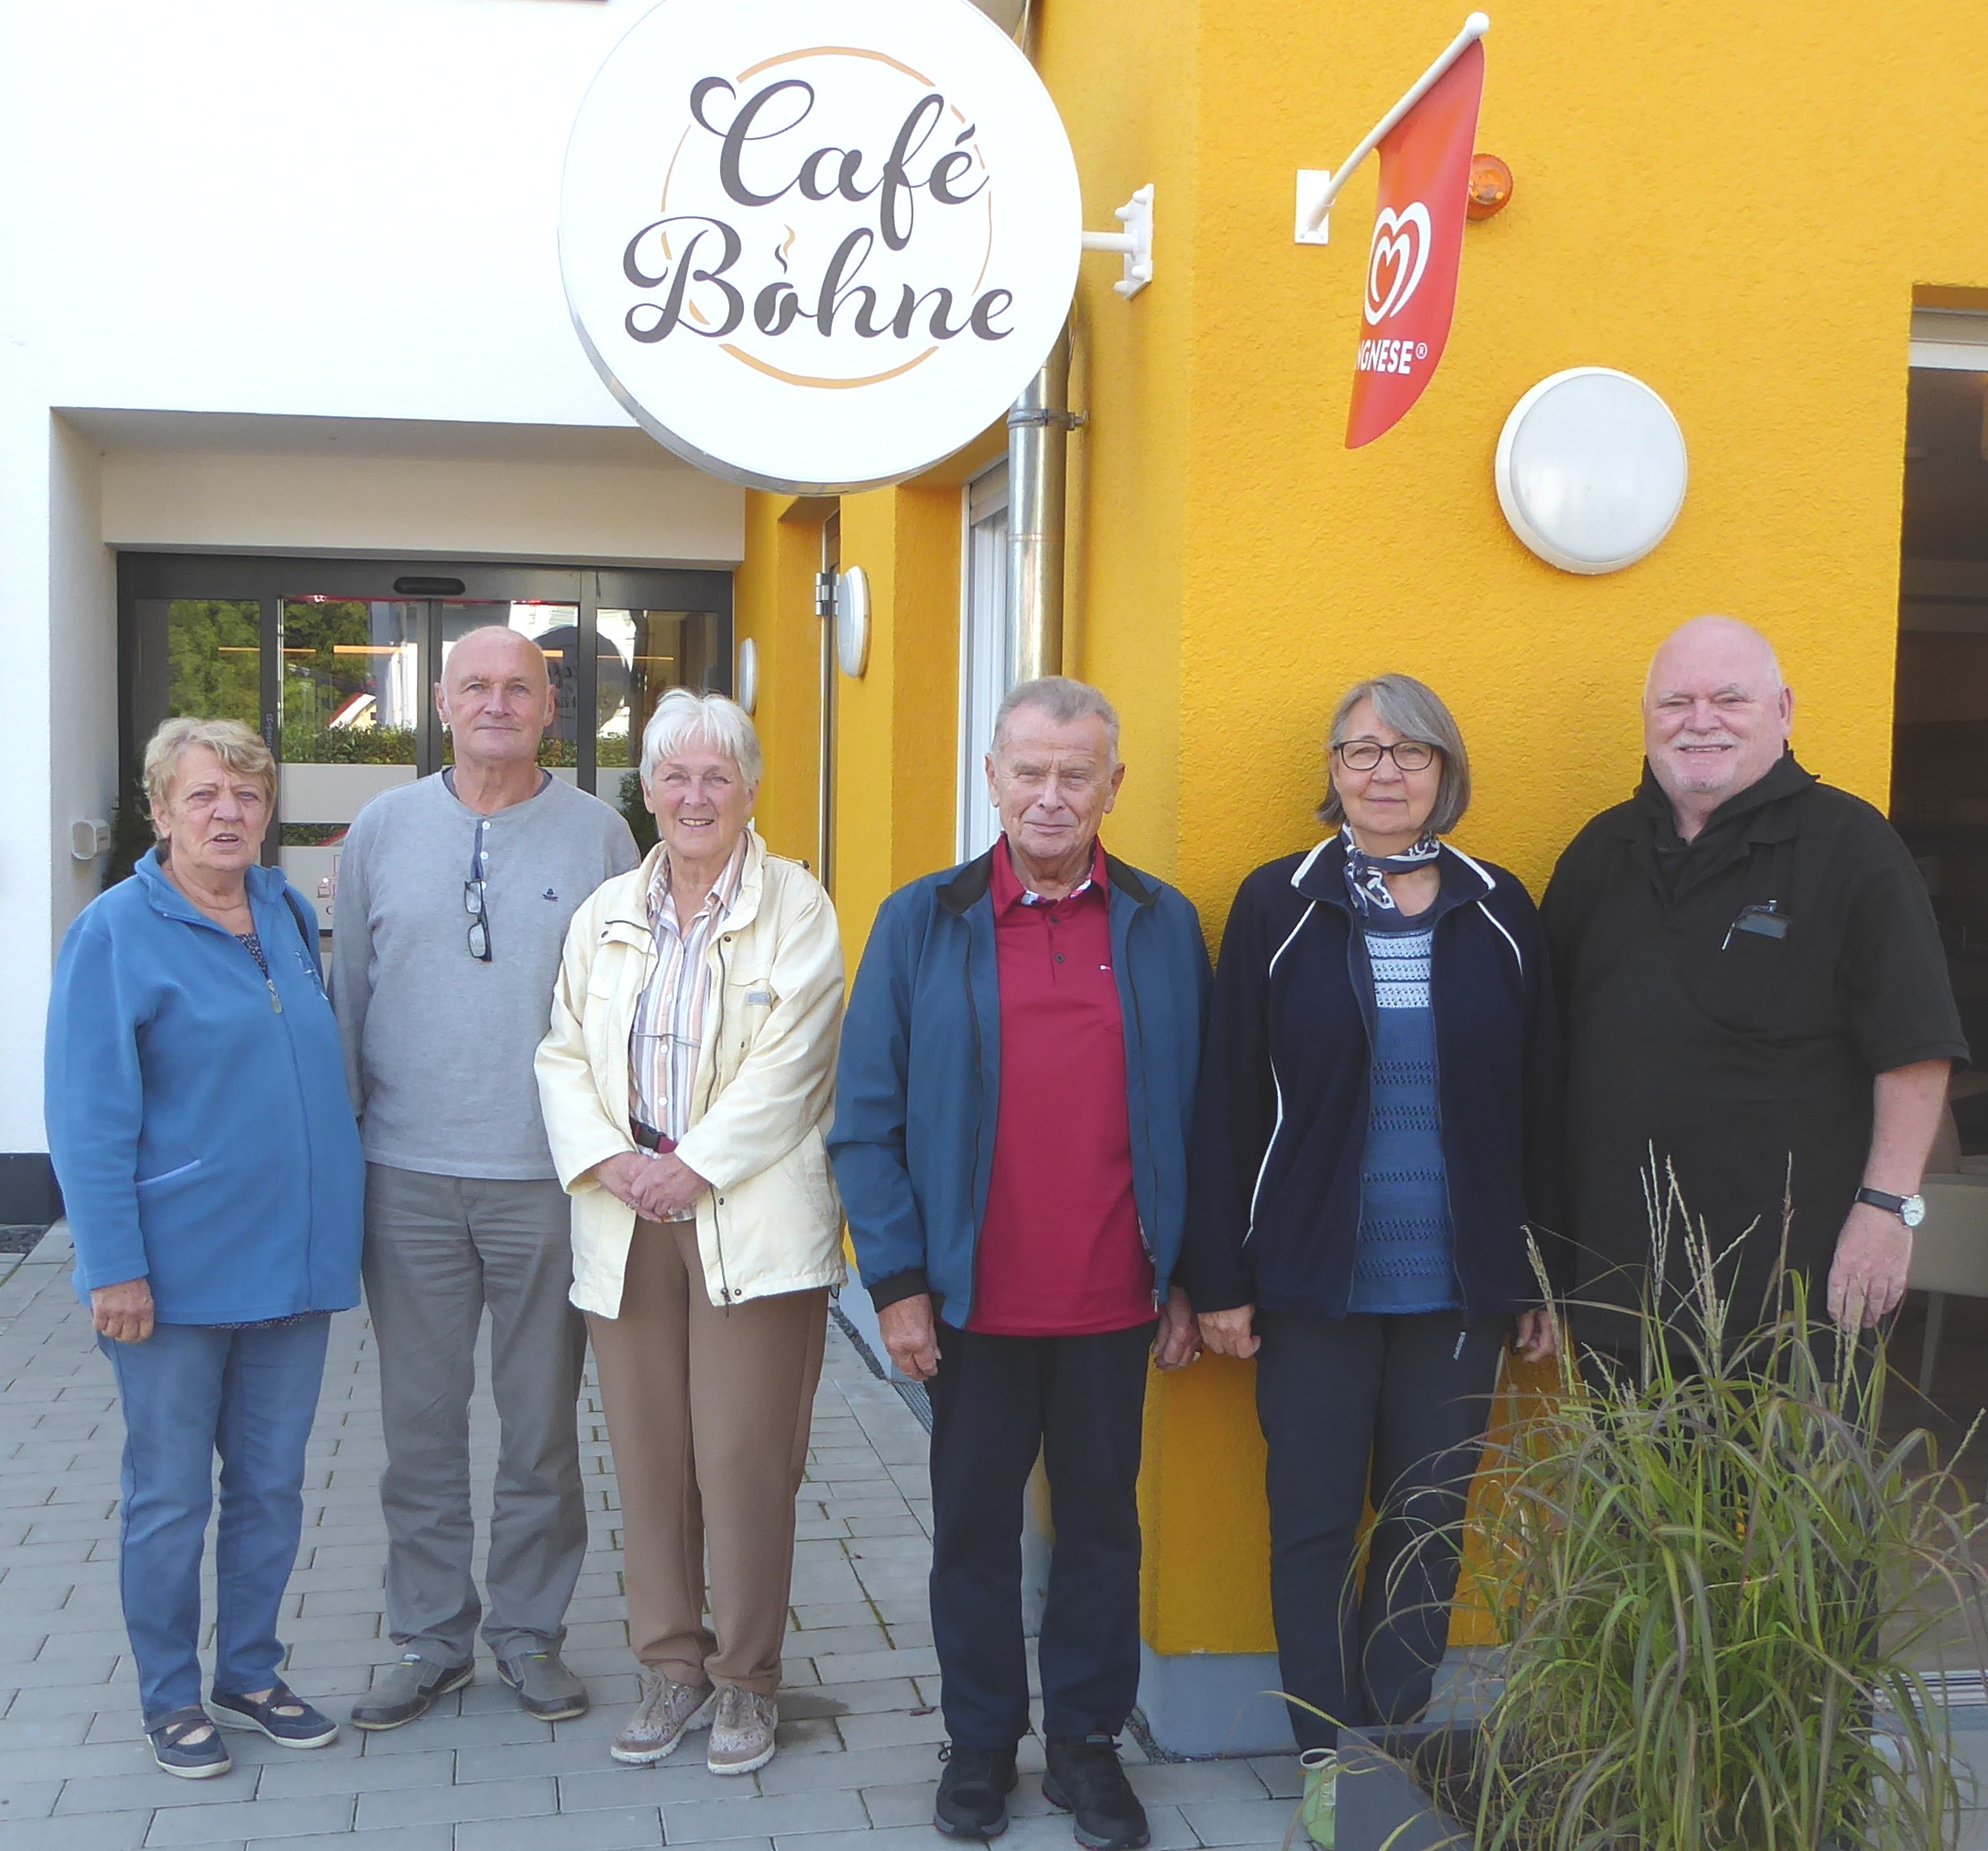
(1724, 1603)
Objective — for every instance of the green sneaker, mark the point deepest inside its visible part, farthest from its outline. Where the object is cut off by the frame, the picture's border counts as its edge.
(1320, 1809)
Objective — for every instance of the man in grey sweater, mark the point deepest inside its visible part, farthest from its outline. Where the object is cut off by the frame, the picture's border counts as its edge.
(454, 898)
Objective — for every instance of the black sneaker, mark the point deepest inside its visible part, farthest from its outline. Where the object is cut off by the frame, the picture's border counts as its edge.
(406, 1691)
(973, 1791)
(1082, 1777)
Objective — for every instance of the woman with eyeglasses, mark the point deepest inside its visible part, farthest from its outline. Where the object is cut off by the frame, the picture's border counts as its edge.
(687, 1080)
(1374, 1143)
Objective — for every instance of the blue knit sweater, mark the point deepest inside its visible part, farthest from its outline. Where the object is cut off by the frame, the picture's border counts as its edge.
(1404, 1255)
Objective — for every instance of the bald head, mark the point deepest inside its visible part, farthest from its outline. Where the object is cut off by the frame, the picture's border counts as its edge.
(495, 648)
(1716, 716)
(494, 696)
(1723, 640)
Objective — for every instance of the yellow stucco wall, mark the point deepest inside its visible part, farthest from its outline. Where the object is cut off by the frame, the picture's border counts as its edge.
(1736, 205)
(773, 603)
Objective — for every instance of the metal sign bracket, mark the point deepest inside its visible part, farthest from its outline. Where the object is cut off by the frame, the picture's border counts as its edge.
(1134, 244)
(1318, 187)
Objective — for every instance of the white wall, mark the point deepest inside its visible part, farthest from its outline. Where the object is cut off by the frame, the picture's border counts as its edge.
(599, 512)
(300, 209)
(83, 662)
(338, 207)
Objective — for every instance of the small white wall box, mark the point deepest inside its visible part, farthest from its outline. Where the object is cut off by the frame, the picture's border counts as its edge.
(89, 838)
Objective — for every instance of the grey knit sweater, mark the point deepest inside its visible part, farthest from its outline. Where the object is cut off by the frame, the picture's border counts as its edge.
(438, 1044)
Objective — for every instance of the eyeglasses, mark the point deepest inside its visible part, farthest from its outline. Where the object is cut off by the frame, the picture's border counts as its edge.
(1409, 755)
(473, 902)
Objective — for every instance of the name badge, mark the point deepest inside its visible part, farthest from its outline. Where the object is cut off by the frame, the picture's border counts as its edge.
(1761, 922)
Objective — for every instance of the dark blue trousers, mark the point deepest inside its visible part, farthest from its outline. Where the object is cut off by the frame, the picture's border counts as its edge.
(995, 1402)
(1390, 1409)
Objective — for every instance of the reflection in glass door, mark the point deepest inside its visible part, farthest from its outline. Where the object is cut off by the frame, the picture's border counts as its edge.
(334, 662)
(641, 654)
(214, 659)
(352, 712)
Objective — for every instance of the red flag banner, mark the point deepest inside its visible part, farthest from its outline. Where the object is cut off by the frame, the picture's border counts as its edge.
(1418, 246)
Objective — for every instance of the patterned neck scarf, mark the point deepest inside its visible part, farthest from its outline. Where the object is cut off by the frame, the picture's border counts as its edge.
(1365, 874)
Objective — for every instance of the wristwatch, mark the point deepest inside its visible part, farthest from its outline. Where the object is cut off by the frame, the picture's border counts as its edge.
(1910, 1210)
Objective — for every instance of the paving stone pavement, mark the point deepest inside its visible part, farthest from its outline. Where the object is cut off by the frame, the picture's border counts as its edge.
(859, 1727)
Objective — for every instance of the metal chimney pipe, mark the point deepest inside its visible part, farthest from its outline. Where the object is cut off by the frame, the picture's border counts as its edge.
(1038, 463)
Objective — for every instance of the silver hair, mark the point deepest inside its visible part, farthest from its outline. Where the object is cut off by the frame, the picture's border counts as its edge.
(1057, 698)
(1417, 712)
(683, 716)
(1774, 660)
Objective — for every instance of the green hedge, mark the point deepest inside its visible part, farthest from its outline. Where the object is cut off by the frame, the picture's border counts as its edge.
(308, 745)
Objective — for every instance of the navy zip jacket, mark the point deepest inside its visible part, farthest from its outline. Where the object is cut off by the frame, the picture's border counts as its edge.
(917, 1086)
(1284, 1082)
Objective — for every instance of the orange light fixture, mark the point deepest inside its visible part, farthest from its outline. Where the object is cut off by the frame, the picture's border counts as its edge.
(1490, 186)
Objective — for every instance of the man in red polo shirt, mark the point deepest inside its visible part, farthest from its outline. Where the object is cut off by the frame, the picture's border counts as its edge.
(1009, 1142)
(1060, 1249)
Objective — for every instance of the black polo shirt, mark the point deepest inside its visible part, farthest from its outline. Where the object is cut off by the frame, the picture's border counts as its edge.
(1726, 1004)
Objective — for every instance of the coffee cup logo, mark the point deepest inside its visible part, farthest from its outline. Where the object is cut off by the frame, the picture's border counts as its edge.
(1395, 260)
(815, 264)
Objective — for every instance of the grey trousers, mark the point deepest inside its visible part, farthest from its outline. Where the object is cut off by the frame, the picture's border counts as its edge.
(438, 1251)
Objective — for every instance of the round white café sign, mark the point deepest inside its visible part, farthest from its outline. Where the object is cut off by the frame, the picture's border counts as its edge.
(817, 248)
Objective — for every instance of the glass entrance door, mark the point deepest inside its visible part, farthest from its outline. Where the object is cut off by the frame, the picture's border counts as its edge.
(350, 723)
(335, 661)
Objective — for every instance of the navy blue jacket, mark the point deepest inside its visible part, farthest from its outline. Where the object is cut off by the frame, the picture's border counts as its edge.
(199, 1122)
(1285, 1078)
(918, 1087)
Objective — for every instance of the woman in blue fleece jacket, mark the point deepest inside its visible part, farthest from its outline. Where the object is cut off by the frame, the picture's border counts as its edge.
(210, 1171)
(1375, 1134)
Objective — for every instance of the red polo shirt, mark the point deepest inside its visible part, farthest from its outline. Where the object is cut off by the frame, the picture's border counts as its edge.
(1060, 1250)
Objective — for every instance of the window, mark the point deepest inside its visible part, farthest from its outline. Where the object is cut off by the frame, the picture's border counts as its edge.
(987, 664)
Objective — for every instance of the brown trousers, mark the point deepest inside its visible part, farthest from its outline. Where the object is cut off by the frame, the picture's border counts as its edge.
(708, 1413)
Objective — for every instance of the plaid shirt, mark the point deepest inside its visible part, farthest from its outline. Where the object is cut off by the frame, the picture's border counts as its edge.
(669, 1028)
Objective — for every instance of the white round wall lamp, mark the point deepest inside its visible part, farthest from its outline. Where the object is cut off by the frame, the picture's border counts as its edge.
(749, 674)
(1591, 469)
(852, 621)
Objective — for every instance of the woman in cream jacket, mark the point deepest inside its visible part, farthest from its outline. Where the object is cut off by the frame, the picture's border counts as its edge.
(687, 1078)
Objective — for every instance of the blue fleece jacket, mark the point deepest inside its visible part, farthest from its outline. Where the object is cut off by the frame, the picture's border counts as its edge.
(1285, 1086)
(918, 1088)
(201, 1134)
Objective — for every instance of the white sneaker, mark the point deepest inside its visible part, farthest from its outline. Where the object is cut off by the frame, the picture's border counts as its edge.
(741, 1731)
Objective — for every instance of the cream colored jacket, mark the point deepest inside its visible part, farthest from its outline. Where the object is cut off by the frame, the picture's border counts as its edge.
(765, 1089)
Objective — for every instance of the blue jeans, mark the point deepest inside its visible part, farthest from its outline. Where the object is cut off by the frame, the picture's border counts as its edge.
(188, 1392)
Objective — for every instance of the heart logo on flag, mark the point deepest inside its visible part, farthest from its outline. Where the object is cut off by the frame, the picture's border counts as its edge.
(1418, 246)
(1396, 259)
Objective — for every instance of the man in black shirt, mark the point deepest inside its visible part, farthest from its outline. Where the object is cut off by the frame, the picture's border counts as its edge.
(1756, 1004)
